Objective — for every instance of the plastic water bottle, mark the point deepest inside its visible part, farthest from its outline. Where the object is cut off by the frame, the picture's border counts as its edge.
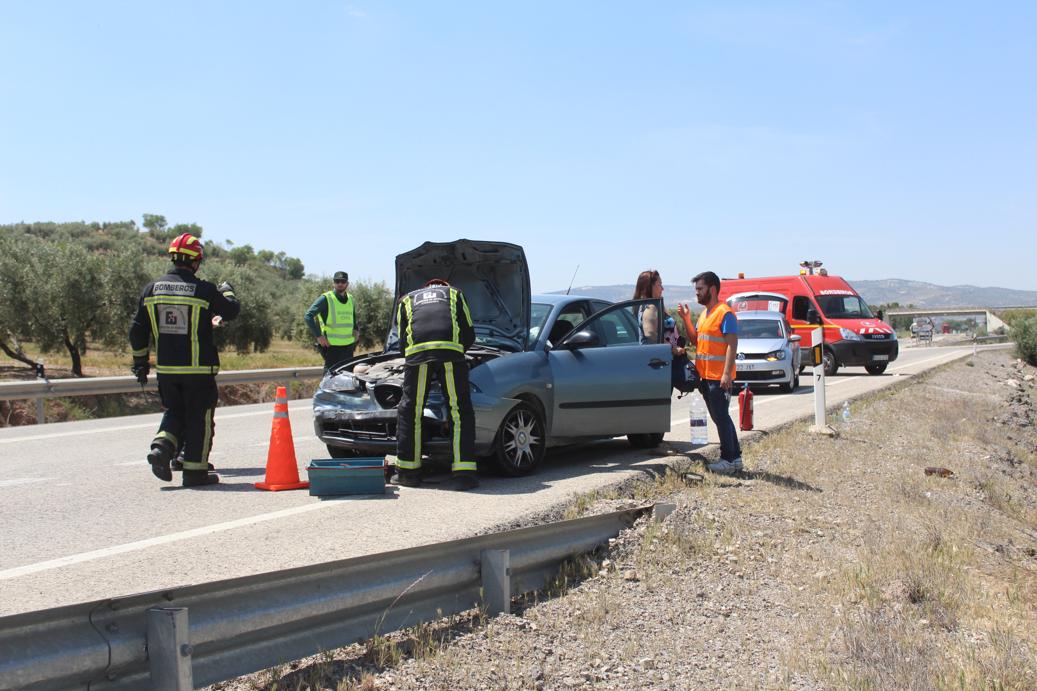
(846, 411)
(699, 431)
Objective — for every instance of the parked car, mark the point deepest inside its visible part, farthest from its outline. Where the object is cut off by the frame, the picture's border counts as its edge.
(545, 371)
(768, 353)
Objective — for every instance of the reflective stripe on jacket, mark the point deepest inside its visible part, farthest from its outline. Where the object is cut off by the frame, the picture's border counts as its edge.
(338, 329)
(435, 319)
(711, 348)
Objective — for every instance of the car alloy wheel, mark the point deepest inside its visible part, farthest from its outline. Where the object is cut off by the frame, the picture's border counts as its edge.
(520, 443)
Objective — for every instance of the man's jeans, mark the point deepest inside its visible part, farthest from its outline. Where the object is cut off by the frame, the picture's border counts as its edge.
(717, 401)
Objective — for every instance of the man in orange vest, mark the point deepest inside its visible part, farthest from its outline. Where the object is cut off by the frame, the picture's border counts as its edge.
(716, 346)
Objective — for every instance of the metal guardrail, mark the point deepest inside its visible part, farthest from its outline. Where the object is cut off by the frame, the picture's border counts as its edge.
(206, 633)
(40, 389)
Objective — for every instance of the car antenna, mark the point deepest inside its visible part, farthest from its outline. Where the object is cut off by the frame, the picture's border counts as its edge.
(571, 280)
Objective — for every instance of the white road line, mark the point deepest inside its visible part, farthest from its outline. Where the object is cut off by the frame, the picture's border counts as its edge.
(24, 481)
(105, 430)
(28, 569)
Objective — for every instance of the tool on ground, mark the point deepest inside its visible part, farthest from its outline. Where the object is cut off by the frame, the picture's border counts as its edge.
(282, 470)
(940, 472)
(745, 409)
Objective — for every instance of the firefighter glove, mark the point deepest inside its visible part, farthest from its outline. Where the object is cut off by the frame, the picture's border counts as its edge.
(141, 368)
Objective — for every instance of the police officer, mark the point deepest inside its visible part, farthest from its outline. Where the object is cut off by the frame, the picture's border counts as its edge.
(332, 321)
(179, 311)
(435, 330)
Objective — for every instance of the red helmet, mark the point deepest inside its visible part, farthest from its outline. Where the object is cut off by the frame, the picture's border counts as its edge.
(186, 246)
(436, 282)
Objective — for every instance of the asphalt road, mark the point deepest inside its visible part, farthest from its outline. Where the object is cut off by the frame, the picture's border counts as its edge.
(84, 519)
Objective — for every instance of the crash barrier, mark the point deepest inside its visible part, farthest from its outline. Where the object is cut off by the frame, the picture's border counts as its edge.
(182, 638)
(42, 389)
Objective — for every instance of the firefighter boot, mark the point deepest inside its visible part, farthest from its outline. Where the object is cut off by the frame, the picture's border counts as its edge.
(199, 478)
(463, 480)
(158, 457)
(406, 478)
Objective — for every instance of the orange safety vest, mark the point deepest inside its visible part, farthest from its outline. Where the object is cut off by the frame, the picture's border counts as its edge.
(710, 347)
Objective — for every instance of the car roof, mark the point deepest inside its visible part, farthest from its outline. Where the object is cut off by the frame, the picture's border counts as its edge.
(760, 314)
(561, 298)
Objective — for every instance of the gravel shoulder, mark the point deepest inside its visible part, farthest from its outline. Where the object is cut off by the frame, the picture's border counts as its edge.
(830, 563)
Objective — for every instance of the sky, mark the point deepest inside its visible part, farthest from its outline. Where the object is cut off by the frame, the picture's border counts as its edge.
(887, 139)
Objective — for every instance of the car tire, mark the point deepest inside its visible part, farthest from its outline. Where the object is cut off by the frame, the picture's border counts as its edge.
(831, 365)
(521, 440)
(645, 441)
(792, 384)
(877, 368)
(339, 452)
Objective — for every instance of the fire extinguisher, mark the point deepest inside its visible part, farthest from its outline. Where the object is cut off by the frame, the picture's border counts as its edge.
(745, 409)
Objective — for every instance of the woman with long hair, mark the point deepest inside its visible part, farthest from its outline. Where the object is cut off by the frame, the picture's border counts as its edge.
(650, 285)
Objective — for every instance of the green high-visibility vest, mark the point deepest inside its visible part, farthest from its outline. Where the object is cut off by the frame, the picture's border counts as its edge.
(338, 329)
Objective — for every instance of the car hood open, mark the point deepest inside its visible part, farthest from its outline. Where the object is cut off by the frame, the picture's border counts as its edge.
(493, 276)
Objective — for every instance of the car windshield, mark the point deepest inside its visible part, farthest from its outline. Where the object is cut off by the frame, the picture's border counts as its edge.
(537, 317)
(759, 328)
(843, 307)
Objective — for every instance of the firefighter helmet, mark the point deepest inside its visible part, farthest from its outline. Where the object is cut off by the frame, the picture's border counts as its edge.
(186, 247)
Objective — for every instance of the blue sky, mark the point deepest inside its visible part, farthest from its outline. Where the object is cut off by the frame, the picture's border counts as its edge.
(888, 139)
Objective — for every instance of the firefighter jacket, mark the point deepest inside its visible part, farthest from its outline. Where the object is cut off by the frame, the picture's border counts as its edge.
(434, 325)
(333, 318)
(175, 312)
(710, 346)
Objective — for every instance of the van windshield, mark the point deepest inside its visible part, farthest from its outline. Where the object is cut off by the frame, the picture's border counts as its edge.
(843, 307)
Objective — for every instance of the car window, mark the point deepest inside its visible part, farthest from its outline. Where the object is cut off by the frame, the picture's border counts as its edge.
(570, 316)
(538, 313)
(800, 305)
(616, 326)
(844, 307)
(759, 328)
(598, 305)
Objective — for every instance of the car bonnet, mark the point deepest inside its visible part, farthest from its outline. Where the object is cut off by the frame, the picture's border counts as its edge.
(493, 276)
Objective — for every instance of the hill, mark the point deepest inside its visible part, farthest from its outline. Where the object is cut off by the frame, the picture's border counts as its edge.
(879, 292)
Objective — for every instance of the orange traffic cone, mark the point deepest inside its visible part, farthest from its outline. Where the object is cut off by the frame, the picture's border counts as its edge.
(282, 470)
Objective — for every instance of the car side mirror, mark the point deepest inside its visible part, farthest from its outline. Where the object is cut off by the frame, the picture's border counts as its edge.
(795, 338)
(580, 339)
(813, 317)
(879, 314)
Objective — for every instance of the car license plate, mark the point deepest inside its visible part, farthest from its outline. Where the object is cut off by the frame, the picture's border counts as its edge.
(746, 367)
(879, 357)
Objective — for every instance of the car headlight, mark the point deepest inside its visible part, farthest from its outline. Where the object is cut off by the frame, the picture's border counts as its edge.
(893, 335)
(776, 355)
(343, 383)
(850, 335)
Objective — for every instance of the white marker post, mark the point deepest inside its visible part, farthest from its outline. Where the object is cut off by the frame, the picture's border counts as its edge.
(817, 350)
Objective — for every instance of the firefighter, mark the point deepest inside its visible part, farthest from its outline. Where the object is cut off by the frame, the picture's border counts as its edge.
(332, 321)
(435, 330)
(179, 311)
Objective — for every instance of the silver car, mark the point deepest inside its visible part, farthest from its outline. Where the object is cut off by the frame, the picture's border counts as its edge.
(556, 370)
(768, 351)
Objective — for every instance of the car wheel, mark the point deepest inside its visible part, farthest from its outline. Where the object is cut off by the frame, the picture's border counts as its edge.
(877, 368)
(339, 452)
(831, 365)
(521, 441)
(645, 441)
(792, 384)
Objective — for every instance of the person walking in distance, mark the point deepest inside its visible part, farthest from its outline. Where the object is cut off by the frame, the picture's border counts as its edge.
(716, 346)
(332, 321)
(178, 312)
(435, 330)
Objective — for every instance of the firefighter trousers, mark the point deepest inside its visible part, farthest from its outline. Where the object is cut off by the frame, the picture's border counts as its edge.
(453, 379)
(189, 401)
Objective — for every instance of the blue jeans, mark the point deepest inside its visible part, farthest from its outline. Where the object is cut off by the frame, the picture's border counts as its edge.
(717, 401)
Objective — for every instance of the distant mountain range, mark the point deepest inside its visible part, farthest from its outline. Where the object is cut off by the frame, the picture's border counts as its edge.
(885, 291)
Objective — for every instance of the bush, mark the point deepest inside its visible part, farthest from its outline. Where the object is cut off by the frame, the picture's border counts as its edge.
(1025, 334)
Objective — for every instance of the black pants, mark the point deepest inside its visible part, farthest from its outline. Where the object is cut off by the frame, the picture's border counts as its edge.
(453, 379)
(336, 354)
(189, 401)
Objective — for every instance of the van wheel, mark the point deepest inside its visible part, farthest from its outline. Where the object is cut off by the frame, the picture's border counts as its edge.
(831, 365)
(877, 368)
(521, 441)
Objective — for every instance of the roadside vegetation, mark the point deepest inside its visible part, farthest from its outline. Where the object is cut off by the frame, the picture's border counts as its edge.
(832, 563)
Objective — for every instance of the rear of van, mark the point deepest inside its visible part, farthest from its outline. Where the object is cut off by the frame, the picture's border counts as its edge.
(854, 337)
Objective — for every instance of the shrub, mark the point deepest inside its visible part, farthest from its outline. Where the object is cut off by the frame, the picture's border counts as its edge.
(1025, 334)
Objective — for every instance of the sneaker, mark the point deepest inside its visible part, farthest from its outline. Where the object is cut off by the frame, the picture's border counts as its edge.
(405, 479)
(158, 457)
(196, 478)
(463, 481)
(721, 467)
(737, 464)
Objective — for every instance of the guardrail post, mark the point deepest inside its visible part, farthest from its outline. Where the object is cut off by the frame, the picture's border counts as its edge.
(40, 412)
(169, 649)
(495, 567)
